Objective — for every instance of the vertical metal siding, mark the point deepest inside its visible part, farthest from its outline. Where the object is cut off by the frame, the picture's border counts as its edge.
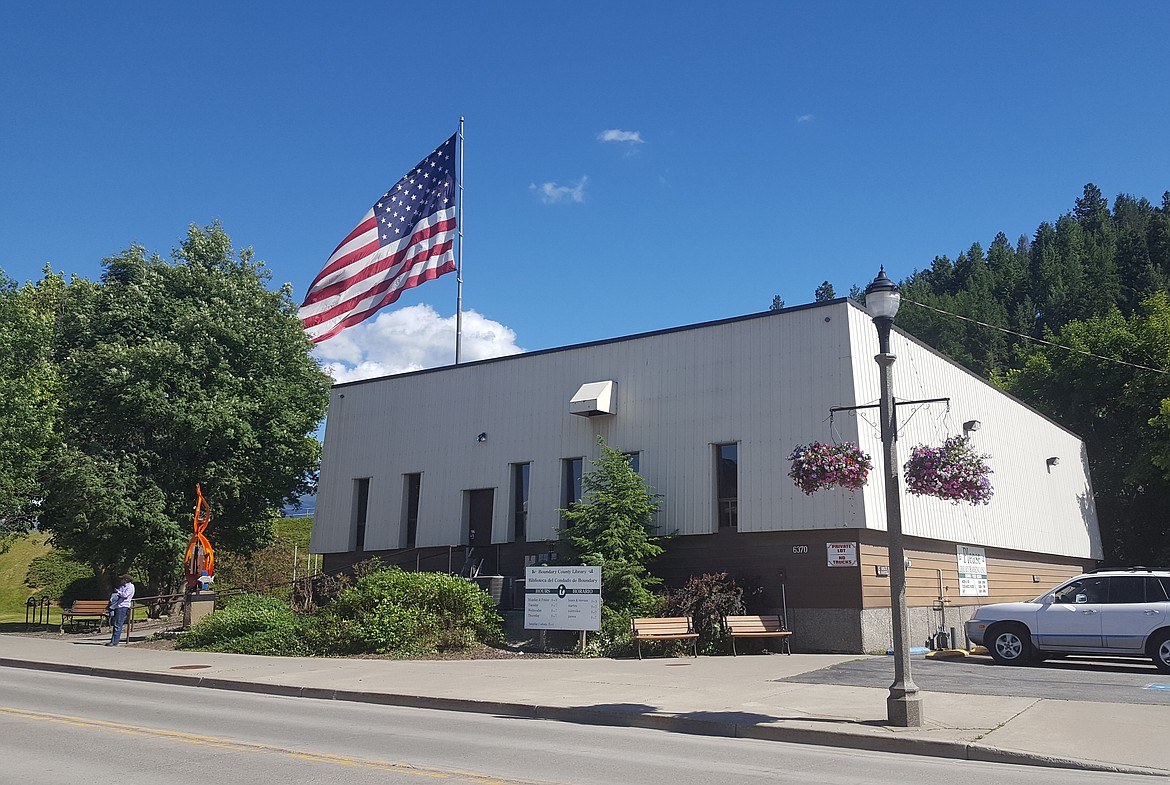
(1033, 508)
(765, 382)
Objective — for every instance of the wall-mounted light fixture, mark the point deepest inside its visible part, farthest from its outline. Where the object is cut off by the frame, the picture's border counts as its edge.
(1053, 461)
(971, 425)
(481, 438)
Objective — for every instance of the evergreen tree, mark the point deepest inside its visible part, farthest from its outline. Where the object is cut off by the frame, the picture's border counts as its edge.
(612, 527)
(824, 292)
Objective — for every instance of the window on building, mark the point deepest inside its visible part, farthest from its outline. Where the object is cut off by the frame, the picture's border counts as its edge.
(573, 470)
(727, 484)
(361, 505)
(413, 490)
(635, 461)
(520, 475)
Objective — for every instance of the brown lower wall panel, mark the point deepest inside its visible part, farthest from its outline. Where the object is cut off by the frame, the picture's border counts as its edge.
(1012, 576)
(790, 568)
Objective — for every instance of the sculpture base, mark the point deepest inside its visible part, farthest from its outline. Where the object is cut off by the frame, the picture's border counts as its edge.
(197, 606)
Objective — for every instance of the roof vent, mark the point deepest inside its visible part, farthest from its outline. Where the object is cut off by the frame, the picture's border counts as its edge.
(593, 399)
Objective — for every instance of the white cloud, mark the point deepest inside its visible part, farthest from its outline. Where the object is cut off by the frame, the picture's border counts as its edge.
(614, 135)
(551, 193)
(805, 118)
(410, 339)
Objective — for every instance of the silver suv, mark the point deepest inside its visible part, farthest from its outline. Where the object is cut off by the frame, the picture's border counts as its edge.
(1122, 613)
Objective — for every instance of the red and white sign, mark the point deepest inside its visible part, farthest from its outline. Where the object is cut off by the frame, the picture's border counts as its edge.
(842, 554)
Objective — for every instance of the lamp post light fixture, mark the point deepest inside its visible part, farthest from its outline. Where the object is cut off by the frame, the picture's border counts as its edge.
(904, 704)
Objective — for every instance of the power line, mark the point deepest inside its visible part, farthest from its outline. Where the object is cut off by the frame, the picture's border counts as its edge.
(1036, 340)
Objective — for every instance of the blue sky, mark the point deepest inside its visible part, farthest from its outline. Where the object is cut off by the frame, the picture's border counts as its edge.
(764, 146)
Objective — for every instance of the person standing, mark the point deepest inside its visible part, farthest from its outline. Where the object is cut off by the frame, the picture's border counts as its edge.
(120, 602)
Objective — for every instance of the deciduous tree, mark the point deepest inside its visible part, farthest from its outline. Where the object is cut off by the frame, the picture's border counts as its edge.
(28, 396)
(174, 373)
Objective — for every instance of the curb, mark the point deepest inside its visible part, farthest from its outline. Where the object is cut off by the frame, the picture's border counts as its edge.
(955, 750)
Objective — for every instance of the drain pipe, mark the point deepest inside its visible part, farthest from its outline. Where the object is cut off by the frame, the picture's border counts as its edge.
(942, 611)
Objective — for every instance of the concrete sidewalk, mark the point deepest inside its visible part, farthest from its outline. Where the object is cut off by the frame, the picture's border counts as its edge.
(722, 696)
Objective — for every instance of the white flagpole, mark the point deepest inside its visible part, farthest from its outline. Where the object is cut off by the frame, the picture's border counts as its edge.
(459, 254)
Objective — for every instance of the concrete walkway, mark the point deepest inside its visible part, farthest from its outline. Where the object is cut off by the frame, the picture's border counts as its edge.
(723, 696)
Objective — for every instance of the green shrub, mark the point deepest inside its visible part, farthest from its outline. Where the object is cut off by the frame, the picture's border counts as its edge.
(408, 613)
(267, 571)
(291, 641)
(58, 575)
(251, 624)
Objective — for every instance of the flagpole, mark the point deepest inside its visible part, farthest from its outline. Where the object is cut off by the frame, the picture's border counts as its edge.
(459, 254)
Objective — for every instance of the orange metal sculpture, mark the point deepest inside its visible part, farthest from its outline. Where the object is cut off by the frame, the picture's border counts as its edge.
(199, 563)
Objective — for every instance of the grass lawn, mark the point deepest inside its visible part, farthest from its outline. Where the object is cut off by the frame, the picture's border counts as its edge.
(13, 569)
(294, 531)
(14, 566)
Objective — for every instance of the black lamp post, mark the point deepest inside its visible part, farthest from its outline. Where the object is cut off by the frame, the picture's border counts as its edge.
(904, 704)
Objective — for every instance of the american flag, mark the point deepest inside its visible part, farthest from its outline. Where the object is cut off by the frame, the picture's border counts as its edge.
(405, 239)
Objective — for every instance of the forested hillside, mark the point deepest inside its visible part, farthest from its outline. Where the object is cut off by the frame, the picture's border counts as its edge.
(1096, 281)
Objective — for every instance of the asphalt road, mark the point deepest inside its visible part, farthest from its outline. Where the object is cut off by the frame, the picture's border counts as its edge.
(63, 728)
(1101, 679)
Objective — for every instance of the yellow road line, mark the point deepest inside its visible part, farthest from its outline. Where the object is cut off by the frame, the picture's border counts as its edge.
(241, 746)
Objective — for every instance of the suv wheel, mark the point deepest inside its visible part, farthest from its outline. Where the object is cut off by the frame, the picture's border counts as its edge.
(1010, 644)
(1159, 650)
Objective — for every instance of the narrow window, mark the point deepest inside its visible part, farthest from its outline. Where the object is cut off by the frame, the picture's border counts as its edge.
(727, 484)
(413, 491)
(571, 488)
(520, 474)
(635, 461)
(361, 504)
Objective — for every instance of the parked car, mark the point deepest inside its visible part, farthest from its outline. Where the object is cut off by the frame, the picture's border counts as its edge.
(1116, 612)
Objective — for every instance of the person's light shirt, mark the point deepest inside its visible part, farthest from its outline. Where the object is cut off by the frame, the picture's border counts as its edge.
(125, 594)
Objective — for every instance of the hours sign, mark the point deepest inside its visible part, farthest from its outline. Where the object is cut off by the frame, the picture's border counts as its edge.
(562, 598)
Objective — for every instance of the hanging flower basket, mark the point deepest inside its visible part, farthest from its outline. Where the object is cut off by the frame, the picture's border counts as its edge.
(816, 466)
(954, 472)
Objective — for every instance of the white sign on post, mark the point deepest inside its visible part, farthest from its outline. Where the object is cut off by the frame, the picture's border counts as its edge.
(842, 554)
(972, 571)
(562, 598)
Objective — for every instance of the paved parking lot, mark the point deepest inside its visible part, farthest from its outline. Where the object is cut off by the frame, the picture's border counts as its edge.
(1099, 679)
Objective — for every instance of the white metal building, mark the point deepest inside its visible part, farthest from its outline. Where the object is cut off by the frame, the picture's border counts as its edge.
(470, 463)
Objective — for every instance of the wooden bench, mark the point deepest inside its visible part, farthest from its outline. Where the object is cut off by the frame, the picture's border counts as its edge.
(757, 627)
(87, 610)
(668, 628)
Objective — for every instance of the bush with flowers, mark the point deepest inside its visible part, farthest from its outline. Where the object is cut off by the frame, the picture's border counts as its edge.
(816, 466)
(954, 472)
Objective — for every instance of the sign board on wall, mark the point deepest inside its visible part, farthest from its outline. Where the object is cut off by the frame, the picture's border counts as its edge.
(972, 571)
(562, 598)
(842, 554)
